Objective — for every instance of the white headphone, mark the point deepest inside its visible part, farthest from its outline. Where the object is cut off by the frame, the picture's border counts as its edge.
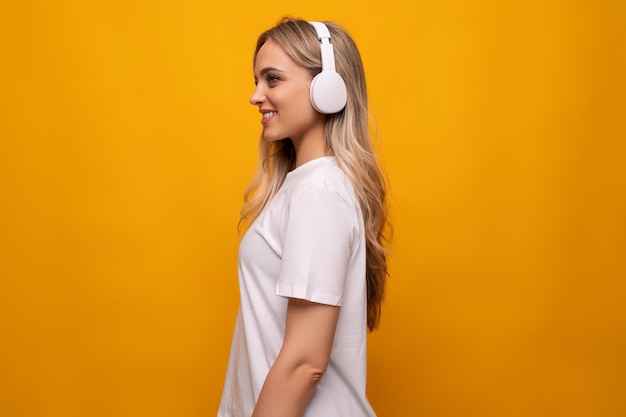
(328, 90)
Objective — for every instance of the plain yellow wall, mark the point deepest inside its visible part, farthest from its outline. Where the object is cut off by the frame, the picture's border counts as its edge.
(127, 141)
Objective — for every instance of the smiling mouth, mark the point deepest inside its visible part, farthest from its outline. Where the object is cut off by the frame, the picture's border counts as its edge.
(269, 114)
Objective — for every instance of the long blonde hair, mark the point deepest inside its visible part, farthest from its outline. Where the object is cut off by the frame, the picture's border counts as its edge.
(347, 135)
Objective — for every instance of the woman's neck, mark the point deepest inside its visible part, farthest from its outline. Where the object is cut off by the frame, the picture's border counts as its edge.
(311, 147)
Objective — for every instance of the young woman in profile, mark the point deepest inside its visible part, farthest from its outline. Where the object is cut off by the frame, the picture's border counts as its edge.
(312, 263)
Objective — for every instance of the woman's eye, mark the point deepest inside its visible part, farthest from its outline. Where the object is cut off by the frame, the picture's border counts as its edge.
(272, 79)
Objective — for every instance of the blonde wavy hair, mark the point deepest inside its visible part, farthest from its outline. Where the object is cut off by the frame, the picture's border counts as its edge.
(348, 137)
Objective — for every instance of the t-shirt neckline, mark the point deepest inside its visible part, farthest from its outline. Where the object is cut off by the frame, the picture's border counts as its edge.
(307, 166)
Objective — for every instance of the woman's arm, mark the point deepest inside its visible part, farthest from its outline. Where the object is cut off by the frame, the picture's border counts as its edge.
(302, 360)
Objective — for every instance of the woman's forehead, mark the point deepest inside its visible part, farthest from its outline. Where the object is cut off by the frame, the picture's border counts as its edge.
(272, 55)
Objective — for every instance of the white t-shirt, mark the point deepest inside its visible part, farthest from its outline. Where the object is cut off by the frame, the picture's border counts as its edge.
(307, 243)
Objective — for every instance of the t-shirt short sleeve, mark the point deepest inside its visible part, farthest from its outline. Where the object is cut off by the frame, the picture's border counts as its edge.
(318, 232)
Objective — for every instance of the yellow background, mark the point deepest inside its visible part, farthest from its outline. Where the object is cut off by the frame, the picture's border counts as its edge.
(127, 141)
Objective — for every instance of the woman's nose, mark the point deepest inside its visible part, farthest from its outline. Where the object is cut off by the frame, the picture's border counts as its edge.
(257, 96)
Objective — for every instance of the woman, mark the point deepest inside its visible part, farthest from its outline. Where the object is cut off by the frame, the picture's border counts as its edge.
(312, 265)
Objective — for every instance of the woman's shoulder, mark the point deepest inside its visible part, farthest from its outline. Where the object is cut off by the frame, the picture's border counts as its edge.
(326, 175)
(323, 172)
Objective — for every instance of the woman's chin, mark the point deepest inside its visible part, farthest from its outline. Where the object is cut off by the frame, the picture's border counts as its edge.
(269, 137)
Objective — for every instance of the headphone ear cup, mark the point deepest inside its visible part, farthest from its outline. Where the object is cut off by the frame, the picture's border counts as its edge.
(328, 92)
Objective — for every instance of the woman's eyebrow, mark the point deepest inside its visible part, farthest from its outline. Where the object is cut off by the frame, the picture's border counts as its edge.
(268, 69)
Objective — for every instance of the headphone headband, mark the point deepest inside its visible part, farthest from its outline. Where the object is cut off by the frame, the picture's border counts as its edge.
(321, 29)
(328, 54)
